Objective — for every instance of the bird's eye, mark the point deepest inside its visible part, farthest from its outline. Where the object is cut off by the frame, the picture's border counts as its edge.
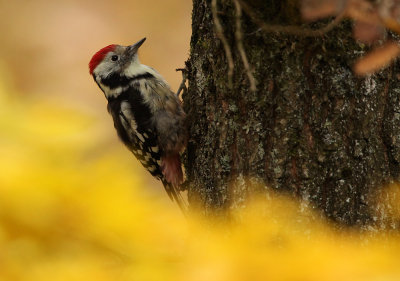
(114, 58)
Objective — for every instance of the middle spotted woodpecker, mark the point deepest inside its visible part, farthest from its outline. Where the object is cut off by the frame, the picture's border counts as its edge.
(147, 115)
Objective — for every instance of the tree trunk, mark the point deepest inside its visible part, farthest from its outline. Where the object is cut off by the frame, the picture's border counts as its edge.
(311, 128)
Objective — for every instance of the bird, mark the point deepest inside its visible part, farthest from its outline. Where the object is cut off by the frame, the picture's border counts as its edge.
(147, 115)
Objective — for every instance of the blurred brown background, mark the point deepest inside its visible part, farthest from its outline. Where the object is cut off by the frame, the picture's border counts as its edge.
(46, 45)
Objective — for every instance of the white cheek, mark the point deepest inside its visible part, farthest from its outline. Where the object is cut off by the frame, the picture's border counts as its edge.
(134, 69)
(102, 70)
(106, 67)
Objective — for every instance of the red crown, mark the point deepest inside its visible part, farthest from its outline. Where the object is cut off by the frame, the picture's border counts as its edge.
(99, 56)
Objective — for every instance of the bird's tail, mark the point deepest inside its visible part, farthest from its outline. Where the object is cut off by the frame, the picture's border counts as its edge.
(175, 195)
(171, 168)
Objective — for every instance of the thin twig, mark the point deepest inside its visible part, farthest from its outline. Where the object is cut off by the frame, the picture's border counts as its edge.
(291, 29)
(220, 33)
(182, 86)
(239, 42)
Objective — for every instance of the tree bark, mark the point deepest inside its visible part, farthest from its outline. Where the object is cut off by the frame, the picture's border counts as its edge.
(311, 129)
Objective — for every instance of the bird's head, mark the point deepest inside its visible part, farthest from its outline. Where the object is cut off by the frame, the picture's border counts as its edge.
(114, 60)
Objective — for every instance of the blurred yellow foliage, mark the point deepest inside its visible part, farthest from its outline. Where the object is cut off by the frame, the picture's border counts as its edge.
(72, 211)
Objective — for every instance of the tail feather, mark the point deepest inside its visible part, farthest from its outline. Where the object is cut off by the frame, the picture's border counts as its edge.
(175, 195)
(171, 168)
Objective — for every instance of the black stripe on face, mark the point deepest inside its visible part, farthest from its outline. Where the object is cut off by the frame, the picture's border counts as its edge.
(146, 75)
(115, 80)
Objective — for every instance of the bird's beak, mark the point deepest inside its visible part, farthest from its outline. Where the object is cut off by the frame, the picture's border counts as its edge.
(132, 49)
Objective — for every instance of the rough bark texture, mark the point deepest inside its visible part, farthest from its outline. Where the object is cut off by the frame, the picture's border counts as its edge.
(312, 129)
